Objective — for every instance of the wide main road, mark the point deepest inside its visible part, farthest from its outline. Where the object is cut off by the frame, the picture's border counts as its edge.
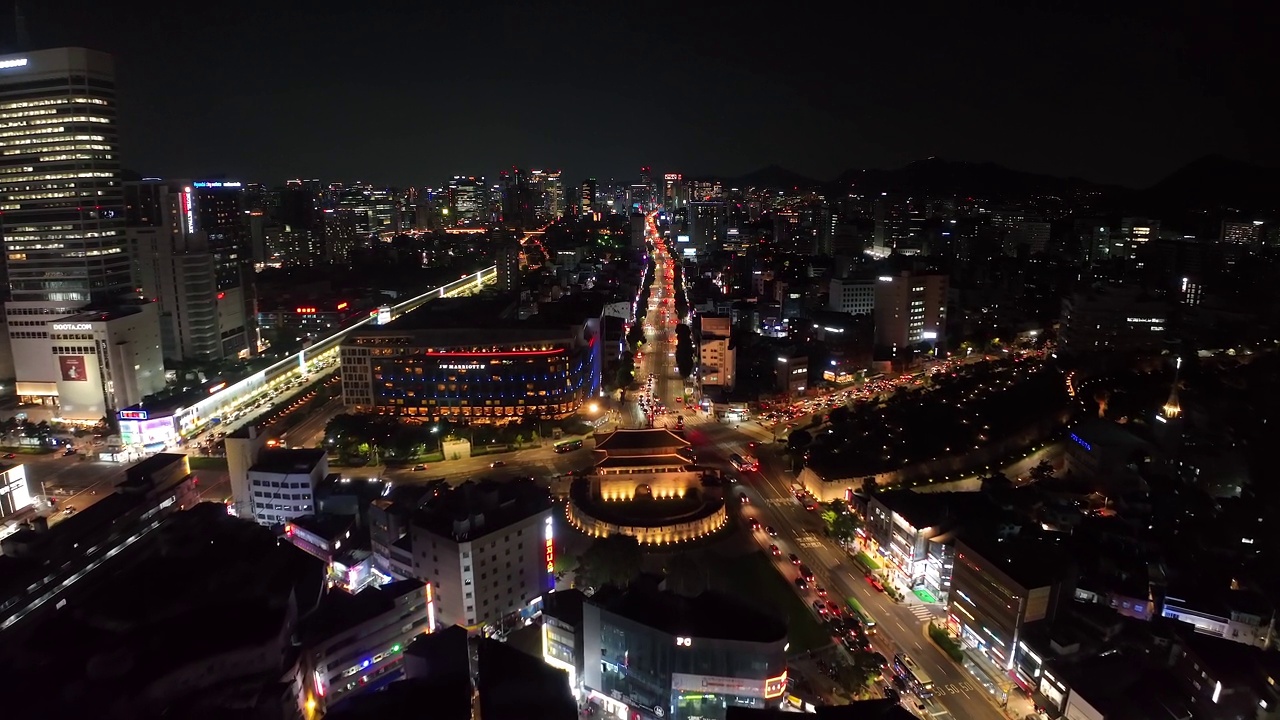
(901, 627)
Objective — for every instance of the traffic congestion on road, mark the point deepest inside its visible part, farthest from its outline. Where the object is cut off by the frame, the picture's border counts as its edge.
(858, 614)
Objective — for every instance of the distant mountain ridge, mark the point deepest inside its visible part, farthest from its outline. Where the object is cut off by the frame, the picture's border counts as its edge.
(1206, 183)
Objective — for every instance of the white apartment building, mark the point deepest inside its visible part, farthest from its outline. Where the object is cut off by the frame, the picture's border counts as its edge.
(282, 484)
(717, 360)
(488, 551)
(853, 296)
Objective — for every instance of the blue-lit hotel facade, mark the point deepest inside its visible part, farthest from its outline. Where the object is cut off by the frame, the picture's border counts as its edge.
(476, 374)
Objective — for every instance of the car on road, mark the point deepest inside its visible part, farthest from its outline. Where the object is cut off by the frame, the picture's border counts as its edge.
(744, 499)
(819, 608)
(806, 573)
(891, 694)
(498, 464)
(802, 583)
(68, 510)
(419, 467)
(772, 533)
(9, 456)
(755, 524)
(69, 451)
(875, 582)
(774, 549)
(795, 560)
(822, 592)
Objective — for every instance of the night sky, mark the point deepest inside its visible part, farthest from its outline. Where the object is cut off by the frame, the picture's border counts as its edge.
(409, 93)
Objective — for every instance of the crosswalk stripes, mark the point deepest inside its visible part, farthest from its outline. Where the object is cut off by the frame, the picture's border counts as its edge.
(921, 612)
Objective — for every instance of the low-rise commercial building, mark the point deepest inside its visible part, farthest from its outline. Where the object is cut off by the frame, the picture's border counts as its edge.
(655, 654)
(914, 534)
(89, 363)
(791, 374)
(1114, 319)
(999, 587)
(354, 644)
(339, 543)
(1240, 616)
(470, 359)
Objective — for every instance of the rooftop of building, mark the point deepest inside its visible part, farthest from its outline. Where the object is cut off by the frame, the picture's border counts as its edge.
(283, 462)
(1204, 594)
(644, 439)
(511, 684)
(1031, 561)
(474, 509)
(941, 511)
(1227, 660)
(405, 700)
(1122, 685)
(340, 611)
(201, 585)
(325, 525)
(115, 311)
(1104, 432)
(145, 470)
(461, 317)
(565, 606)
(710, 615)
(663, 460)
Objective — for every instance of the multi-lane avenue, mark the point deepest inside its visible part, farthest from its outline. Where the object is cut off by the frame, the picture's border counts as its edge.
(901, 627)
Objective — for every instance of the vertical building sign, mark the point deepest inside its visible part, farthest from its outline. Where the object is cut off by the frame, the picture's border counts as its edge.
(550, 554)
(188, 211)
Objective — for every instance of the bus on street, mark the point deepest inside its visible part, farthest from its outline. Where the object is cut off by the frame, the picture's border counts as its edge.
(916, 678)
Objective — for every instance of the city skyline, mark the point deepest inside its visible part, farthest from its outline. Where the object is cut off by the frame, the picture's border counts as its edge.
(1116, 99)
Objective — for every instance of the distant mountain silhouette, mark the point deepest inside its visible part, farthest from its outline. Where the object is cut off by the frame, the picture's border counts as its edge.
(1215, 182)
(949, 177)
(773, 176)
(1212, 182)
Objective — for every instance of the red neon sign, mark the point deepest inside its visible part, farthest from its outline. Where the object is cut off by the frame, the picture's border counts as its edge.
(551, 556)
(496, 353)
(304, 310)
(343, 305)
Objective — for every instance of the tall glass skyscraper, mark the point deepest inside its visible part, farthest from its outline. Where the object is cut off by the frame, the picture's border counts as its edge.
(60, 192)
(79, 344)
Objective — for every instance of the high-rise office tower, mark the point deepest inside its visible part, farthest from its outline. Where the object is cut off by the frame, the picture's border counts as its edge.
(63, 230)
(549, 193)
(517, 199)
(468, 201)
(673, 195)
(910, 311)
(587, 196)
(221, 215)
(177, 267)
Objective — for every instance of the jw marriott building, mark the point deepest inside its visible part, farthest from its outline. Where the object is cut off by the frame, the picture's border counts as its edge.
(81, 341)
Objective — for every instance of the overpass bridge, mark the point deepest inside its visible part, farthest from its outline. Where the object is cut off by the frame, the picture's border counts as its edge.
(317, 359)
